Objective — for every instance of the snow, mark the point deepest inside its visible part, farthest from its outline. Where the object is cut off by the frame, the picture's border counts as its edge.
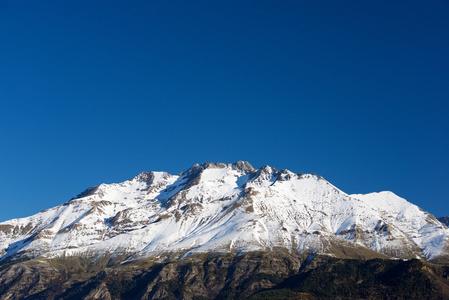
(220, 208)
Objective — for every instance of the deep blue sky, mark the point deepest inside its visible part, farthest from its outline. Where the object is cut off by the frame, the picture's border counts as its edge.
(98, 91)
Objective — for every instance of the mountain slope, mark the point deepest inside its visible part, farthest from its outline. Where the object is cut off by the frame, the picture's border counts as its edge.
(226, 208)
(251, 275)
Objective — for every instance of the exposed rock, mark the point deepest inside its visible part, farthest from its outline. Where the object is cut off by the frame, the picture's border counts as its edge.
(253, 275)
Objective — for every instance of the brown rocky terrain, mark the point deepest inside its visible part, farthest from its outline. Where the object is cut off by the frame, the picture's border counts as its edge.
(257, 275)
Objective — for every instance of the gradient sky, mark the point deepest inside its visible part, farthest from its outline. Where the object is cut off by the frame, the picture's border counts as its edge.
(98, 91)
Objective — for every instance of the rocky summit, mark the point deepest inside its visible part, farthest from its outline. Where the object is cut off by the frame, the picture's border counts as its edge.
(213, 228)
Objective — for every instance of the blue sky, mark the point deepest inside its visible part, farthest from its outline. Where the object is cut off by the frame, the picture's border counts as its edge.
(98, 91)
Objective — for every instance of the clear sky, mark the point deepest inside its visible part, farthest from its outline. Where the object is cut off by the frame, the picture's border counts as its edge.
(97, 91)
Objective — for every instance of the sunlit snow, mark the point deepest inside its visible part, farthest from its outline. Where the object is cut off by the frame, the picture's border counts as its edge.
(224, 208)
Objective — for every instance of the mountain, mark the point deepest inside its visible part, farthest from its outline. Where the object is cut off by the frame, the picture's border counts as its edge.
(224, 208)
(205, 214)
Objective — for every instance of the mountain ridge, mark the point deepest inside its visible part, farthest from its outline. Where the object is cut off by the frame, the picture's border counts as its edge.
(218, 207)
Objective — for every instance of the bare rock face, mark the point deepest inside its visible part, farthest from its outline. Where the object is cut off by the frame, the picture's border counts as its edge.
(243, 166)
(255, 275)
(21, 280)
(197, 276)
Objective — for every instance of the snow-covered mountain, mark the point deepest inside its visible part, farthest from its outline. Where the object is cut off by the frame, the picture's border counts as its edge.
(226, 208)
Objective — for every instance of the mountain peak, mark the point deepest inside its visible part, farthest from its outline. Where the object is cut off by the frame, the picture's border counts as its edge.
(243, 166)
(199, 167)
(239, 165)
(226, 207)
(149, 177)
